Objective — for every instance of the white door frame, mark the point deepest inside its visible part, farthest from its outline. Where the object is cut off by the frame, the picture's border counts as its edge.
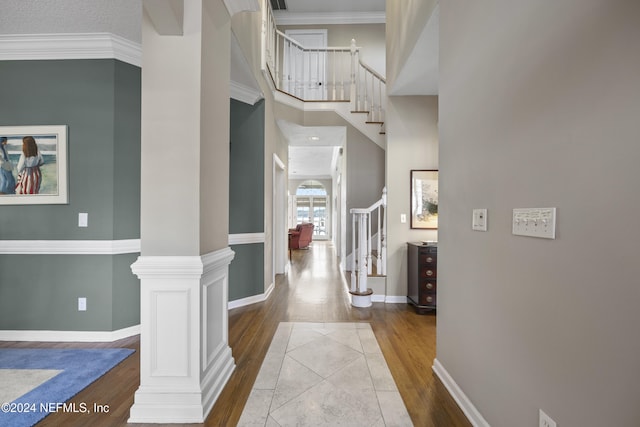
(279, 217)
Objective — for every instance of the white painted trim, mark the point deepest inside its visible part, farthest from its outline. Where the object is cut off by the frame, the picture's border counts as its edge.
(473, 415)
(395, 299)
(168, 267)
(289, 18)
(244, 93)
(183, 300)
(70, 336)
(246, 238)
(254, 299)
(20, 47)
(69, 247)
(218, 259)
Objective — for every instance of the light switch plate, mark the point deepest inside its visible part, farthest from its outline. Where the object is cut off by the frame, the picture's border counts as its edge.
(534, 222)
(479, 222)
(83, 219)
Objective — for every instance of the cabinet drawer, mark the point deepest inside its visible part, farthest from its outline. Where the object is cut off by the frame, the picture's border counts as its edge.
(428, 298)
(428, 259)
(428, 272)
(428, 286)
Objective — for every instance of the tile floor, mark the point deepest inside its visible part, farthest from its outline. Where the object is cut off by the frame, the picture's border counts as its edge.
(324, 374)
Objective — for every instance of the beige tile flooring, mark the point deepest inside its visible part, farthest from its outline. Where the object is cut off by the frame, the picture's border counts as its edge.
(324, 374)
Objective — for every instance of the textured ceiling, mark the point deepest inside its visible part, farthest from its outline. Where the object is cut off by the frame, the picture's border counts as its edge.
(119, 17)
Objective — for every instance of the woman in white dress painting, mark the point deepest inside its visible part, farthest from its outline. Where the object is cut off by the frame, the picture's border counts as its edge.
(7, 181)
(29, 174)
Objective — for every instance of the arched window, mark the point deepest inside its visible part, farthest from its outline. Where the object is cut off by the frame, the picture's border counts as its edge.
(311, 188)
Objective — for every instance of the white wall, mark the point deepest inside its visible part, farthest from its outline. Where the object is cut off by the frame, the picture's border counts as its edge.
(405, 21)
(540, 107)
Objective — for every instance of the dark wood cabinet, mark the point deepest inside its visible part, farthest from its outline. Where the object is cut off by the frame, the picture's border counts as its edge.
(422, 268)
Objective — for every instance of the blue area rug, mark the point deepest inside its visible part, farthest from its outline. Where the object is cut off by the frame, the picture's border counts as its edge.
(80, 367)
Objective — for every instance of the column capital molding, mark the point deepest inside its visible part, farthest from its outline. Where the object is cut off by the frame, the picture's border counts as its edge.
(158, 267)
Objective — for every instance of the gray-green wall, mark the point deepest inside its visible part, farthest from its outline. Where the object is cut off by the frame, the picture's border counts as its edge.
(246, 197)
(99, 101)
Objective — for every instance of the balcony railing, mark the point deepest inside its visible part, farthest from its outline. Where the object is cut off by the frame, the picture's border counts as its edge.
(335, 74)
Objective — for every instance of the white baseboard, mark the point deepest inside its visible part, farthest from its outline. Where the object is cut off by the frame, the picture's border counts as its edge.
(70, 336)
(252, 299)
(395, 299)
(391, 299)
(473, 415)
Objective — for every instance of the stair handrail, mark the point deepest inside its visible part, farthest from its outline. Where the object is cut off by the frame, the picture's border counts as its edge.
(370, 93)
(361, 265)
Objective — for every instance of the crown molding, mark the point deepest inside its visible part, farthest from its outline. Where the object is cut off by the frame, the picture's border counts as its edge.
(328, 18)
(21, 47)
(244, 93)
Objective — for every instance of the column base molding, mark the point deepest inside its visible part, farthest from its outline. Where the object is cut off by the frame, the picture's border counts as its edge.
(185, 359)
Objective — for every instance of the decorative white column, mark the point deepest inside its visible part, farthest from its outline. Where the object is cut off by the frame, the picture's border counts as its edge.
(185, 360)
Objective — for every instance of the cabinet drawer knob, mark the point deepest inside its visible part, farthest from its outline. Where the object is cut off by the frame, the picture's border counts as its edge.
(429, 259)
(429, 299)
(429, 286)
(429, 273)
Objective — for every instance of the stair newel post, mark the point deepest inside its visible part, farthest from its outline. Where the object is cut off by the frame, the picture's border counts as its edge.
(354, 254)
(353, 90)
(383, 249)
(367, 218)
(362, 256)
(379, 241)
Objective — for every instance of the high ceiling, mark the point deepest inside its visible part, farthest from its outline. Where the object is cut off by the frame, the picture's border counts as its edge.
(418, 76)
(332, 6)
(316, 157)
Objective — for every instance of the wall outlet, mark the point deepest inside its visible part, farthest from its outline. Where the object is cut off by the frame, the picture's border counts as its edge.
(82, 304)
(403, 218)
(545, 420)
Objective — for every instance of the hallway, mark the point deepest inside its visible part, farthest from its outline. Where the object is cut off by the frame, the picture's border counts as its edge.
(315, 291)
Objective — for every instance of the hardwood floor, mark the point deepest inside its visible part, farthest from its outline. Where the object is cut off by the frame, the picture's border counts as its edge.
(312, 291)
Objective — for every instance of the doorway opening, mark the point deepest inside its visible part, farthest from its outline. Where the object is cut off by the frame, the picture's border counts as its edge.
(312, 205)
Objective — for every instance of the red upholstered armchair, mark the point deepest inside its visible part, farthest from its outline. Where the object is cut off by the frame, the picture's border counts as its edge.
(301, 236)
